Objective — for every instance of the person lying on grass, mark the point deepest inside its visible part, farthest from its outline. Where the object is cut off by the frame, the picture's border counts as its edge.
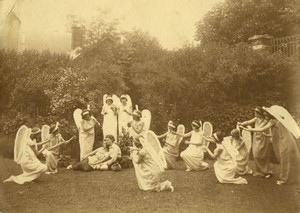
(104, 158)
(225, 166)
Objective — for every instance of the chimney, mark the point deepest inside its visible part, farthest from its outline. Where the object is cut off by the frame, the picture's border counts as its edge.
(76, 37)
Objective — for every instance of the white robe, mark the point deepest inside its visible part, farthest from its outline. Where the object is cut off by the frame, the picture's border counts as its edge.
(31, 166)
(110, 124)
(193, 155)
(225, 168)
(124, 117)
(86, 138)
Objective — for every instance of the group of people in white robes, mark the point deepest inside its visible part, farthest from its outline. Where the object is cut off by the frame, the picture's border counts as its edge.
(273, 126)
(26, 151)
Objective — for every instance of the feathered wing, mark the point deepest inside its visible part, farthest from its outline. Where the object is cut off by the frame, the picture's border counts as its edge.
(181, 131)
(154, 148)
(45, 132)
(146, 118)
(285, 118)
(21, 142)
(247, 138)
(207, 131)
(77, 117)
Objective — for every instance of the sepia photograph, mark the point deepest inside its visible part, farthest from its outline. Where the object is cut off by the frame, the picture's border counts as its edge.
(188, 106)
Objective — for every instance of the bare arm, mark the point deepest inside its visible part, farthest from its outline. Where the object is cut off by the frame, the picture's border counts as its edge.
(189, 134)
(249, 122)
(136, 156)
(162, 136)
(37, 152)
(260, 129)
(43, 142)
(113, 157)
(216, 153)
(209, 139)
(138, 129)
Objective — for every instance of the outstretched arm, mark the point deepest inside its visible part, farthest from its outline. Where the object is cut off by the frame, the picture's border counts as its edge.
(259, 129)
(209, 139)
(189, 134)
(246, 123)
(162, 136)
(43, 142)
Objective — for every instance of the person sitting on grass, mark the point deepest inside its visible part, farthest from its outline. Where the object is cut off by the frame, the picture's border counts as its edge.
(225, 166)
(51, 156)
(243, 156)
(104, 158)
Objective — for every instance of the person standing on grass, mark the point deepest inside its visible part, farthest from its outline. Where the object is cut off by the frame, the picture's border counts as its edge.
(225, 166)
(193, 155)
(26, 153)
(260, 144)
(243, 156)
(124, 113)
(285, 140)
(51, 156)
(87, 133)
(109, 112)
(148, 167)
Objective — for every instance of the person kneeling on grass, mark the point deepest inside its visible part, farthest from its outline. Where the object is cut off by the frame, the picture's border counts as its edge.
(148, 167)
(104, 158)
(225, 166)
(51, 156)
(242, 157)
(25, 154)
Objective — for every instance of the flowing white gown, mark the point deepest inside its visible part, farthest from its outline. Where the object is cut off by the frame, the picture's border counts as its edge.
(31, 166)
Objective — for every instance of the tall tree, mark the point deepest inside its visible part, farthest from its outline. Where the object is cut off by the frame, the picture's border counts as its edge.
(235, 21)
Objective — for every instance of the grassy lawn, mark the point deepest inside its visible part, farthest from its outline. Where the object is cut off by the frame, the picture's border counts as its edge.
(73, 191)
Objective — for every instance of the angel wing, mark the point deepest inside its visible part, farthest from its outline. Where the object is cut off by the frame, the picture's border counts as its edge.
(201, 128)
(285, 118)
(146, 118)
(129, 101)
(152, 140)
(116, 101)
(104, 97)
(45, 132)
(233, 152)
(207, 131)
(20, 142)
(180, 130)
(247, 138)
(77, 117)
